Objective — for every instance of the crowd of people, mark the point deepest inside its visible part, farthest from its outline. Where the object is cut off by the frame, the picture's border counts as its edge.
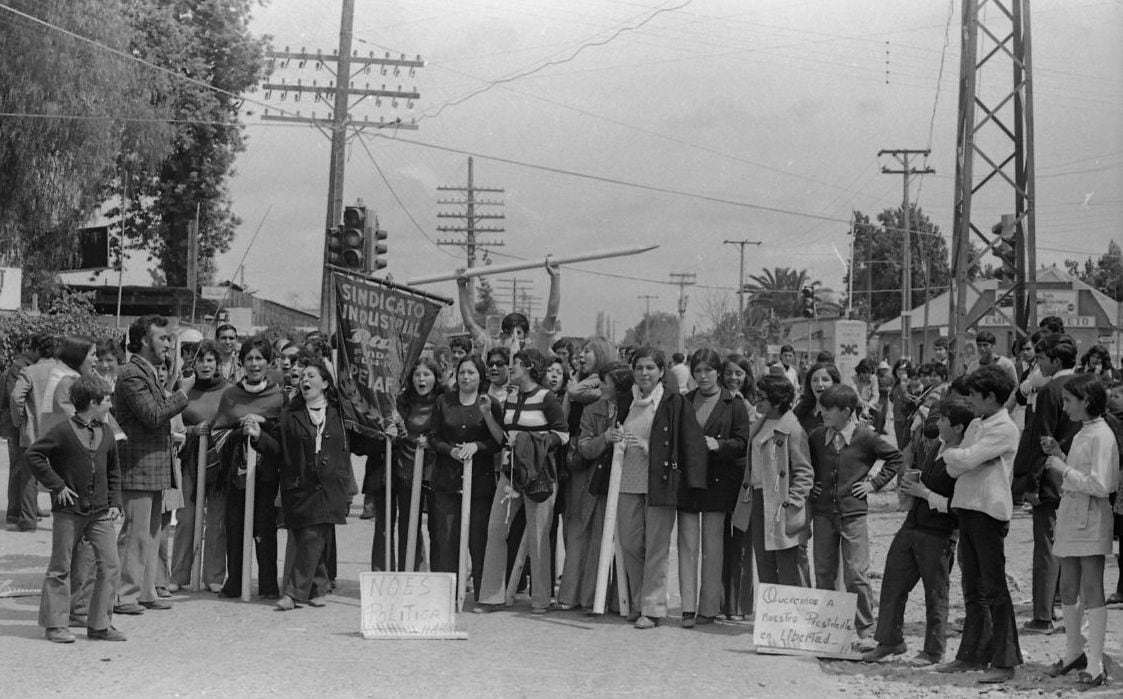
(770, 472)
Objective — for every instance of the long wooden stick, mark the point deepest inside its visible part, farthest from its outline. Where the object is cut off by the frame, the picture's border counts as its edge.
(247, 520)
(517, 569)
(414, 509)
(389, 519)
(608, 533)
(465, 532)
(531, 264)
(200, 497)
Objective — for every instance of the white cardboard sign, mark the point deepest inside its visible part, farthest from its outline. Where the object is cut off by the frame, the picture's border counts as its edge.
(399, 606)
(804, 621)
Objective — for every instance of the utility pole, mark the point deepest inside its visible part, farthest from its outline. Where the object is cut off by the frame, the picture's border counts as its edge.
(517, 287)
(648, 298)
(341, 91)
(683, 280)
(741, 279)
(902, 156)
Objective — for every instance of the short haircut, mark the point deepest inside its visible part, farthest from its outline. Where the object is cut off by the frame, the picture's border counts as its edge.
(564, 367)
(110, 346)
(43, 344)
(501, 352)
(620, 374)
(464, 343)
(653, 353)
(940, 341)
(139, 328)
(787, 348)
(957, 409)
(936, 368)
(678, 357)
(705, 356)
(960, 386)
(259, 343)
(224, 327)
(1089, 388)
(839, 396)
(73, 350)
(777, 390)
(86, 391)
(865, 366)
(534, 363)
(206, 347)
(562, 344)
(985, 336)
(511, 321)
(1052, 324)
(824, 357)
(1060, 348)
(991, 380)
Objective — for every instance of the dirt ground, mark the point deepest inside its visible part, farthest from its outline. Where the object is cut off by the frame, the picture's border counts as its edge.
(211, 647)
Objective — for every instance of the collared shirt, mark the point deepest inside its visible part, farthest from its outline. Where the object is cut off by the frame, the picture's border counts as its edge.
(983, 466)
(847, 433)
(88, 433)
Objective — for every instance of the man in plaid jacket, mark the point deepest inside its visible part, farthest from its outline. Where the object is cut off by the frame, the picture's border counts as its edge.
(144, 410)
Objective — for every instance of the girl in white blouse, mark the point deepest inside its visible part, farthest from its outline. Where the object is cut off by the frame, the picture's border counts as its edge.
(1084, 524)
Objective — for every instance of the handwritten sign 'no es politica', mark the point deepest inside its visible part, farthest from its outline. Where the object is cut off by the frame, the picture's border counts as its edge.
(804, 621)
(409, 605)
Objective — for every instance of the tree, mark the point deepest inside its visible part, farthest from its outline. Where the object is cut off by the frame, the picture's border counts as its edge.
(208, 41)
(658, 329)
(725, 328)
(485, 302)
(70, 313)
(76, 106)
(878, 256)
(1105, 274)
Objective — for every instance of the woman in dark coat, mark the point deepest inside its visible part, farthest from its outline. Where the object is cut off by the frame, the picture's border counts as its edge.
(315, 476)
(701, 513)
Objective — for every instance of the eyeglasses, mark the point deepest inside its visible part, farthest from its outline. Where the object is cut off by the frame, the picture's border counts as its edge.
(496, 363)
(228, 337)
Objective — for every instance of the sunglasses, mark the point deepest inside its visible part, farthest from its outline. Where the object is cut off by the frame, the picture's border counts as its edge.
(496, 363)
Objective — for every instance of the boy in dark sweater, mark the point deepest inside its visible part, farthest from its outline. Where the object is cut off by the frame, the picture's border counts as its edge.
(843, 453)
(77, 461)
(924, 546)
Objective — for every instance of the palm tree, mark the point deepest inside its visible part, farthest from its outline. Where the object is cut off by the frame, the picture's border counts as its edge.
(775, 292)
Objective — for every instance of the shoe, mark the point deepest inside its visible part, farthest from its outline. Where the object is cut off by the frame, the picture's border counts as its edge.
(107, 634)
(884, 652)
(1062, 668)
(215, 587)
(735, 617)
(633, 617)
(128, 609)
(228, 594)
(317, 602)
(688, 620)
(269, 595)
(22, 527)
(285, 604)
(923, 659)
(702, 619)
(156, 604)
(59, 634)
(78, 621)
(1088, 681)
(645, 622)
(539, 610)
(163, 592)
(483, 608)
(173, 587)
(864, 645)
(958, 666)
(562, 607)
(1115, 598)
(1038, 626)
(367, 514)
(996, 675)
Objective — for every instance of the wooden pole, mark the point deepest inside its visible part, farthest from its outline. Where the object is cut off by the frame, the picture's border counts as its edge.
(608, 533)
(531, 264)
(247, 521)
(465, 532)
(200, 496)
(388, 520)
(517, 569)
(414, 509)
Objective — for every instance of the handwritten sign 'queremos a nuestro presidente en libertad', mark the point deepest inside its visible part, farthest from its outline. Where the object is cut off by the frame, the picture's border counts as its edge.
(409, 605)
(804, 621)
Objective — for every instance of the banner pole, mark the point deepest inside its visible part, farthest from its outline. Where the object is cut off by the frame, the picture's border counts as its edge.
(414, 509)
(608, 532)
(465, 533)
(247, 520)
(200, 496)
(388, 520)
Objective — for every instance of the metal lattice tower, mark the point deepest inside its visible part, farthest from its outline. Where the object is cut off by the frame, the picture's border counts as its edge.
(995, 133)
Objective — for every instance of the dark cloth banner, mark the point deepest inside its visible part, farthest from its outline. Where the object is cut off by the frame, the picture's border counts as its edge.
(380, 333)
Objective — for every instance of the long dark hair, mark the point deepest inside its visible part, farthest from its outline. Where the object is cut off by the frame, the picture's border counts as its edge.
(409, 395)
(808, 400)
(73, 350)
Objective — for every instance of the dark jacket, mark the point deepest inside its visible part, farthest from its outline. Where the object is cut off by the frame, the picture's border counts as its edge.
(454, 424)
(594, 448)
(934, 474)
(58, 459)
(677, 452)
(836, 472)
(1049, 420)
(145, 413)
(729, 425)
(315, 488)
(8, 429)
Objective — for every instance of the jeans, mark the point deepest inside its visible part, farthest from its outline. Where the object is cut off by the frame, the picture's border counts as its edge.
(66, 535)
(849, 534)
(700, 533)
(913, 556)
(990, 633)
(1046, 567)
(138, 545)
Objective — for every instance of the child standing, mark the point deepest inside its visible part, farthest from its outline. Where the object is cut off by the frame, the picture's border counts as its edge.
(842, 454)
(983, 466)
(77, 461)
(1089, 474)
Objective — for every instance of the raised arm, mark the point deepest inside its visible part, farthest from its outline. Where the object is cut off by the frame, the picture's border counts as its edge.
(464, 291)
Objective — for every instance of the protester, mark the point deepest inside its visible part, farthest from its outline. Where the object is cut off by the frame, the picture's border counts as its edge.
(983, 467)
(229, 369)
(515, 327)
(903, 371)
(677, 377)
(1089, 475)
(1097, 361)
(843, 453)
(110, 357)
(787, 359)
(466, 433)
(25, 388)
(76, 461)
(819, 378)
(984, 343)
(866, 385)
(737, 566)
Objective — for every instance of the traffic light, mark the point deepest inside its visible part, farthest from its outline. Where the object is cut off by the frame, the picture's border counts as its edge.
(1006, 248)
(352, 245)
(376, 252)
(807, 302)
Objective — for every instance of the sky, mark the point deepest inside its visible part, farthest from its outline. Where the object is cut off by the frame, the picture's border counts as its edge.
(680, 124)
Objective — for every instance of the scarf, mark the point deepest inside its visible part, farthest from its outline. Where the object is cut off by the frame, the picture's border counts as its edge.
(654, 398)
